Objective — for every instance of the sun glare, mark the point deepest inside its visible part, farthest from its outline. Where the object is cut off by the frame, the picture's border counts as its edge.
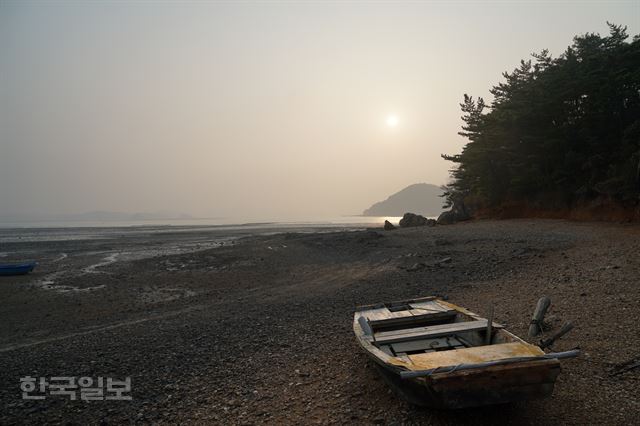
(392, 121)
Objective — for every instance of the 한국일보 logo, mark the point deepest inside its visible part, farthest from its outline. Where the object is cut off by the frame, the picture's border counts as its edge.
(83, 388)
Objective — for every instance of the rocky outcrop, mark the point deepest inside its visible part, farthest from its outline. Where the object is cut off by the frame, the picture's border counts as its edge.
(458, 213)
(388, 226)
(446, 218)
(411, 220)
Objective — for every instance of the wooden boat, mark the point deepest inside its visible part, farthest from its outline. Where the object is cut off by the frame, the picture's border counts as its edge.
(437, 354)
(16, 268)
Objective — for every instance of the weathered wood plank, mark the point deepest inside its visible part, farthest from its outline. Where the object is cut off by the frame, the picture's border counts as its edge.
(424, 344)
(409, 317)
(430, 305)
(382, 314)
(535, 327)
(401, 314)
(376, 314)
(547, 343)
(431, 331)
(474, 355)
(380, 305)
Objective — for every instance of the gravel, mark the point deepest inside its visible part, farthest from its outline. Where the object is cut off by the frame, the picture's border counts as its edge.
(259, 332)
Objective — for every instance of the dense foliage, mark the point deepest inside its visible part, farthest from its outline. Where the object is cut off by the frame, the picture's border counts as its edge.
(559, 130)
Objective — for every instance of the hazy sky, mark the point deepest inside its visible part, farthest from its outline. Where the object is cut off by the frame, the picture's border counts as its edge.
(252, 110)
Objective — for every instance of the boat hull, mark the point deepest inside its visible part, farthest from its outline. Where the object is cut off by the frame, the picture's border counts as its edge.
(436, 354)
(496, 385)
(21, 269)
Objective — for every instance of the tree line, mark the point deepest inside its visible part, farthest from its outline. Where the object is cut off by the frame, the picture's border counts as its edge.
(558, 132)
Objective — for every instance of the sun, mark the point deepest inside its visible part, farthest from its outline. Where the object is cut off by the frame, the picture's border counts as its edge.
(392, 120)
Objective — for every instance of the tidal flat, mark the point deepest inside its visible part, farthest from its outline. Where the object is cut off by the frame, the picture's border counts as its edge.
(250, 327)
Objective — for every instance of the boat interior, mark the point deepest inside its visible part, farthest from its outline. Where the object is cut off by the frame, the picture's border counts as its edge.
(425, 326)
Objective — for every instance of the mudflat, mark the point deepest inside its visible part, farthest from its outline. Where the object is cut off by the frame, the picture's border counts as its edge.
(258, 329)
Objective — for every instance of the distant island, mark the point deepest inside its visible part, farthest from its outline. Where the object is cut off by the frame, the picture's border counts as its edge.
(420, 198)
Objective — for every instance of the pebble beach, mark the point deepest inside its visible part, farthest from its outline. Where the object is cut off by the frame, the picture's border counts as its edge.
(239, 327)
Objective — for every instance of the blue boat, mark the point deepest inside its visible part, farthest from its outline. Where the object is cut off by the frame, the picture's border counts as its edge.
(16, 268)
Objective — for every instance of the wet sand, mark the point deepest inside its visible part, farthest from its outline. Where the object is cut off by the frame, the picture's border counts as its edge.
(221, 328)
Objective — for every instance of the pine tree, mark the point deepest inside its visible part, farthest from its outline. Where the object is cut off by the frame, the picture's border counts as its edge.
(559, 129)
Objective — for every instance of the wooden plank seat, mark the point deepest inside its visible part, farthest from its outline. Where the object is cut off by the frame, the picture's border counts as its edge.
(388, 337)
(410, 316)
(406, 313)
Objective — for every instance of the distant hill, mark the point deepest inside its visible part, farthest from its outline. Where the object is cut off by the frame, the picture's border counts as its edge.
(420, 198)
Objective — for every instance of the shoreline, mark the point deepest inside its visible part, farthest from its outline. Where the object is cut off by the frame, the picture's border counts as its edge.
(259, 331)
(345, 220)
